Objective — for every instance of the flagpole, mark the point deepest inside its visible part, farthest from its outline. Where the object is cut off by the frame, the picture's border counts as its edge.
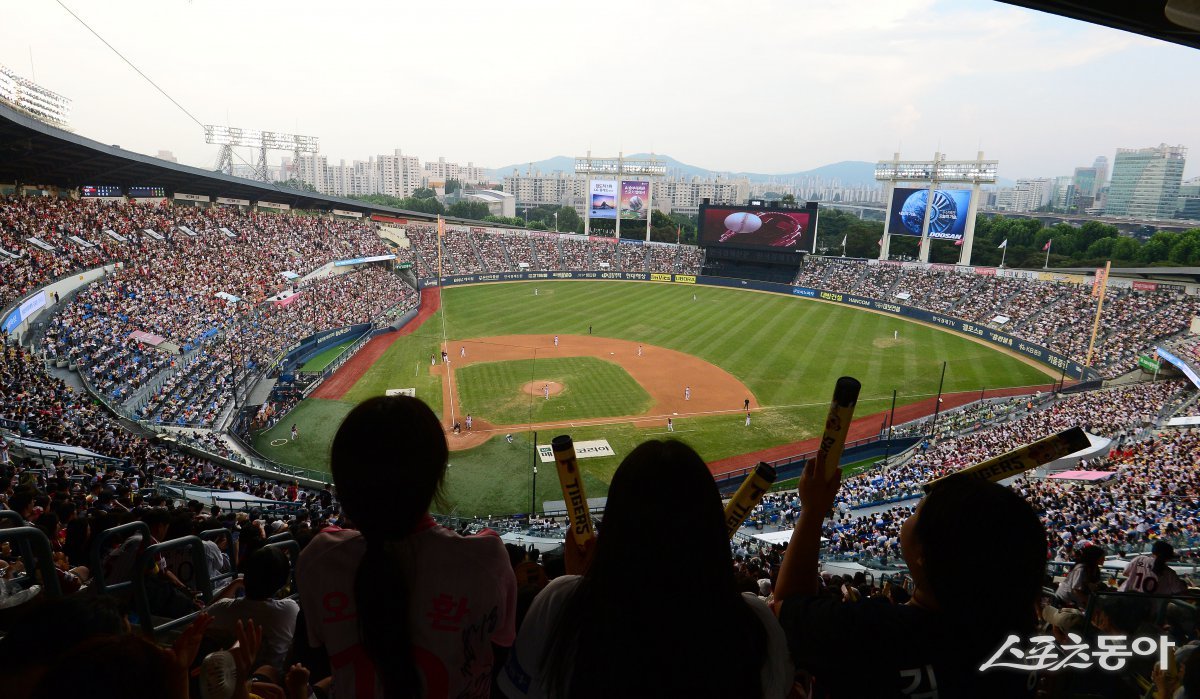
(1048, 244)
(1003, 253)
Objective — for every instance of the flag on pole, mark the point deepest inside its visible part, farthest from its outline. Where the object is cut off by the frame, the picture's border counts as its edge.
(678, 233)
(1047, 246)
(1003, 245)
(844, 239)
(959, 242)
(880, 243)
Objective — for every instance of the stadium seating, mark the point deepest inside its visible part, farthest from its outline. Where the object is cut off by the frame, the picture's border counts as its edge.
(84, 510)
(1056, 315)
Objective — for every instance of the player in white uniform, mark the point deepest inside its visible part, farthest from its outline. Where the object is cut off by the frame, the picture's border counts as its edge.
(687, 392)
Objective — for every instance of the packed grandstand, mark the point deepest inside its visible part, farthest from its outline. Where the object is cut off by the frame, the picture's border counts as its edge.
(197, 302)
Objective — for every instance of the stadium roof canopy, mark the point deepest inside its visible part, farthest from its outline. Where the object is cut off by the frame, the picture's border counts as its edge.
(35, 153)
(1146, 17)
(1188, 275)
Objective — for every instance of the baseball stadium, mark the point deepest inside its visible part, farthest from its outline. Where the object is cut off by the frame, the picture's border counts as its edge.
(269, 437)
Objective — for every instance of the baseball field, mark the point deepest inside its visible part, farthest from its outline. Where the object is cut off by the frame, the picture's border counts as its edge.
(612, 361)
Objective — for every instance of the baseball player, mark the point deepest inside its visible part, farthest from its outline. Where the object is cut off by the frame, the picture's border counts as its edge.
(468, 422)
(444, 356)
(295, 433)
(687, 392)
(747, 419)
(462, 352)
(746, 405)
(546, 391)
(639, 350)
(670, 425)
(556, 340)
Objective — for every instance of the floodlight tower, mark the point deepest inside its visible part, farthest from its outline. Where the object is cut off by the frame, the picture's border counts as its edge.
(228, 137)
(936, 172)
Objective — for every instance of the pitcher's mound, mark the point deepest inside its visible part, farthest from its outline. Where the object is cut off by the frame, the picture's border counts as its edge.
(536, 388)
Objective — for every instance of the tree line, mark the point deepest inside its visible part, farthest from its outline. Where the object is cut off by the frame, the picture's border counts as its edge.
(1088, 245)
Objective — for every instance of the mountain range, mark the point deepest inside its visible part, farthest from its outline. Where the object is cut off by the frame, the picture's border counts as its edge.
(847, 172)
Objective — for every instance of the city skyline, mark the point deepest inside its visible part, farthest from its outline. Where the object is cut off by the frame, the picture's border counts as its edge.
(819, 84)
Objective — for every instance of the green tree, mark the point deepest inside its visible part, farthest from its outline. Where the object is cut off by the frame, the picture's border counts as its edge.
(569, 219)
(1125, 248)
(293, 183)
(789, 199)
(468, 209)
(453, 186)
(424, 193)
(1153, 251)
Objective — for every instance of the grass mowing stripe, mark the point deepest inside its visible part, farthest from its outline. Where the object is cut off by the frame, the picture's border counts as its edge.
(788, 351)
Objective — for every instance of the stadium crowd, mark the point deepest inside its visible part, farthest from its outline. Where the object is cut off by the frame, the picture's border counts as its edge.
(389, 602)
(510, 597)
(1055, 314)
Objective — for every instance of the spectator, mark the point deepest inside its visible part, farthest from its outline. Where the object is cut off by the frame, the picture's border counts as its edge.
(950, 628)
(591, 635)
(405, 605)
(1150, 574)
(1082, 580)
(265, 572)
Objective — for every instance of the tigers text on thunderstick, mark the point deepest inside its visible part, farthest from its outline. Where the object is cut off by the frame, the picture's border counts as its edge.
(837, 424)
(1022, 459)
(748, 494)
(572, 487)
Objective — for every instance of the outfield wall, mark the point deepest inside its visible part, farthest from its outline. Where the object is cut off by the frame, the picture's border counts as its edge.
(1036, 352)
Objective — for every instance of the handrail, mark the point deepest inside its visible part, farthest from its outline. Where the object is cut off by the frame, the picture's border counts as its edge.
(99, 552)
(141, 595)
(43, 560)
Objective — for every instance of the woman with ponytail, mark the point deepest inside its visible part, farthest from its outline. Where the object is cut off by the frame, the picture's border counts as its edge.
(403, 607)
(623, 630)
(1150, 574)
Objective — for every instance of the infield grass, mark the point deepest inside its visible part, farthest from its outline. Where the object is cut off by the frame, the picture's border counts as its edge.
(591, 387)
(787, 351)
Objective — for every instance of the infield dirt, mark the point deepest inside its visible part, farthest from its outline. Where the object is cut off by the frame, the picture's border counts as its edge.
(664, 374)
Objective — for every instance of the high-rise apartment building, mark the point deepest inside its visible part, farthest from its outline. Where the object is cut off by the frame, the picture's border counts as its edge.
(1101, 165)
(33, 99)
(1062, 197)
(1027, 195)
(442, 171)
(1145, 182)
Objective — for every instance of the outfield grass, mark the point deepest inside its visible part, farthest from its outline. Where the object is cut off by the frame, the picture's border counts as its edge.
(319, 361)
(590, 388)
(788, 352)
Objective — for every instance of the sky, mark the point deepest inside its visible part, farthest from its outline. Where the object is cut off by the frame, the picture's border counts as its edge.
(755, 85)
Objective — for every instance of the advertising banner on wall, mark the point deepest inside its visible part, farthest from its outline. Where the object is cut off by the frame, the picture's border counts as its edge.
(604, 199)
(635, 200)
(947, 218)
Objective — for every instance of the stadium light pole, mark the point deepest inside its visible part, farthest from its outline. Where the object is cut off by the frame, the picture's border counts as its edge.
(891, 421)
(533, 487)
(555, 221)
(937, 406)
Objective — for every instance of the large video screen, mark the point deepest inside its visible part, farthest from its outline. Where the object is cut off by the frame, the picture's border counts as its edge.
(755, 227)
(947, 217)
